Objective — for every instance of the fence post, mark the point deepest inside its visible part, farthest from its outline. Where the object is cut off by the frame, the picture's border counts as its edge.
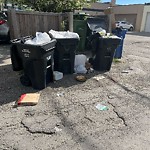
(60, 21)
(110, 23)
(13, 24)
(70, 18)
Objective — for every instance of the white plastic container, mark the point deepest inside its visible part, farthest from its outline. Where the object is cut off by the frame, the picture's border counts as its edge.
(79, 64)
(57, 75)
(80, 60)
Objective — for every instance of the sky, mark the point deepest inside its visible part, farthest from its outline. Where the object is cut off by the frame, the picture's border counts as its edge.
(126, 2)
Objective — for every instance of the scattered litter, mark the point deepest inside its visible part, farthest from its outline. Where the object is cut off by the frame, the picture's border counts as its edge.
(57, 129)
(98, 78)
(81, 78)
(88, 65)
(57, 75)
(60, 94)
(130, 68)
(29, 99)
(91, 70)
(101, 107)
(125, 71)
(111, 96)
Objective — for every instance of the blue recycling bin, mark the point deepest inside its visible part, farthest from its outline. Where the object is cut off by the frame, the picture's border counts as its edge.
(120, 33)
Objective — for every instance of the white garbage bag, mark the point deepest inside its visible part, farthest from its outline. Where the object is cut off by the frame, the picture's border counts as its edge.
(41, 38)
(63, 34)
(80, 69)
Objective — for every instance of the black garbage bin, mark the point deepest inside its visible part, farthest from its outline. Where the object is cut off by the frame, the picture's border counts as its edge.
(15, 57)
(95, 25)
(103, 51)
(35, 60)
(64, 53)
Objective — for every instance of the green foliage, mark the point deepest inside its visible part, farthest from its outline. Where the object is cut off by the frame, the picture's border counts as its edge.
(54, 5)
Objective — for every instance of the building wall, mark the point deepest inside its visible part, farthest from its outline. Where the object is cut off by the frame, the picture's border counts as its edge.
(145, 13)
(132, 14)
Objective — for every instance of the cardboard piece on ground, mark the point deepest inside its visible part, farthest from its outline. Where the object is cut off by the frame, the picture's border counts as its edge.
(28, 99)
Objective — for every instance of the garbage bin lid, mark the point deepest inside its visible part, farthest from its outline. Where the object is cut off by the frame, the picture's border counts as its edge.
(97, 24)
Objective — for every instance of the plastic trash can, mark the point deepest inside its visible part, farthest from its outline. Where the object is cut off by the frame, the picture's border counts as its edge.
(35, 60)
(103, 52)
(95, 25)
(64, 53)
(80, 27)
(15, 58)
(120, 33)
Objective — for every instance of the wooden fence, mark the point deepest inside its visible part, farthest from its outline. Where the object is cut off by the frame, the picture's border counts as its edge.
(24, 23)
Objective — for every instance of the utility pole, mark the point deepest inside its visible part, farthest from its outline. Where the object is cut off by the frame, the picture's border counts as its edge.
(110, 12)
(112, 4)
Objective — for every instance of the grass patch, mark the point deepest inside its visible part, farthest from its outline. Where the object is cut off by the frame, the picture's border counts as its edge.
(115, 60)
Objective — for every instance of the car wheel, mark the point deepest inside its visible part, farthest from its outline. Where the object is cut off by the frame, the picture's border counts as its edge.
(131, 29)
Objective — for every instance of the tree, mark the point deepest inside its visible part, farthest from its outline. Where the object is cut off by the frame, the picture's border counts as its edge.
(55, 5)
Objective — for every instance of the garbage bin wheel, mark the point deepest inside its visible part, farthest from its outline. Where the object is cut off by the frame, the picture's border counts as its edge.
(25, 80)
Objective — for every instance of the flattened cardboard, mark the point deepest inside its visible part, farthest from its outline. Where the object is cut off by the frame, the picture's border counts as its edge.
(29, 99)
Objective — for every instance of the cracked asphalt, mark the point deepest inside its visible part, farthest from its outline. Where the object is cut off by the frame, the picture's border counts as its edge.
(66, 116)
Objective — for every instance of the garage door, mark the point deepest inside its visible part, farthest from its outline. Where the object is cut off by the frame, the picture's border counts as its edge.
(147, 25)
(131, 18)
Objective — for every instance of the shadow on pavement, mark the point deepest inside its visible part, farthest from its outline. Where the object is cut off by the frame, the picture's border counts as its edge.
(10, 86)
(142, 96)
(4, 52)
(70, 80)
(85, 142)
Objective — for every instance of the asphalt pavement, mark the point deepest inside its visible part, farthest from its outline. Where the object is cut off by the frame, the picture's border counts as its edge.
(110, 111)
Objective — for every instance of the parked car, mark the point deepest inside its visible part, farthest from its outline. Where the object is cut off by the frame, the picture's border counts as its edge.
(124, 25)
(4, 28)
